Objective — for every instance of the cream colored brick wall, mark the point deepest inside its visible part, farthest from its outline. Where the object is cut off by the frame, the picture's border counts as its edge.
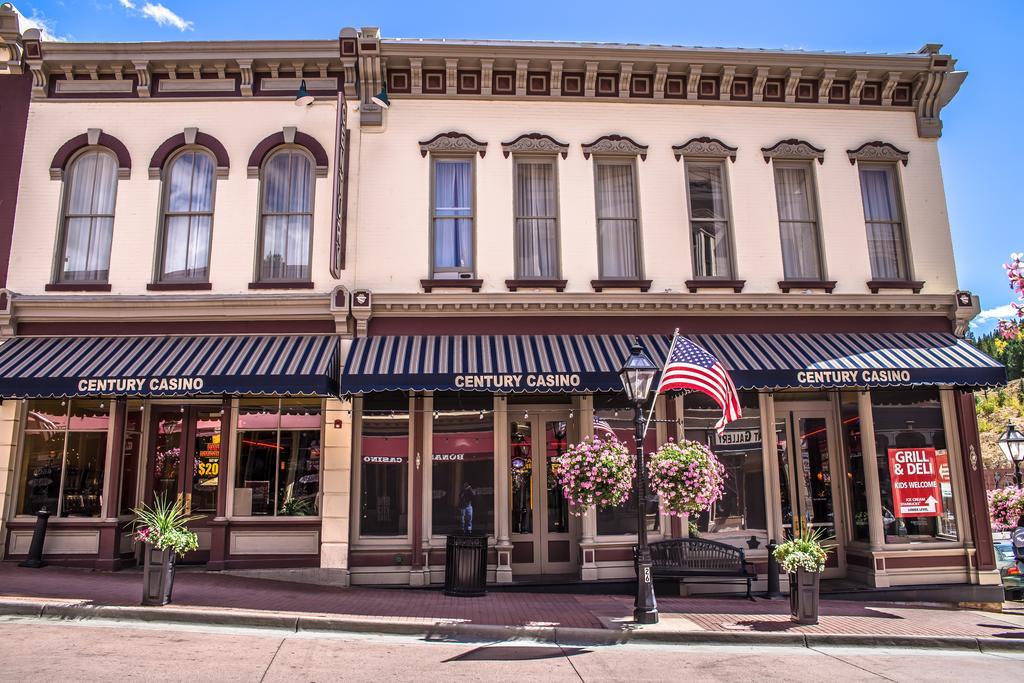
(335, 482)
(142, 126)
(390, 201)
(10, 433)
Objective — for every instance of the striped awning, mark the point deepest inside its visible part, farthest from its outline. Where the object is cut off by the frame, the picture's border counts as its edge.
(38, 367)
(577, 363)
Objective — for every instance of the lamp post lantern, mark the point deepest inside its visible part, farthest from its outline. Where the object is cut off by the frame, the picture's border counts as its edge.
(1011, 443)
(637, 375)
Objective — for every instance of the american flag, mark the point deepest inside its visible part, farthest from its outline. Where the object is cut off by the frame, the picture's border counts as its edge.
(603, 426)
(690, 367)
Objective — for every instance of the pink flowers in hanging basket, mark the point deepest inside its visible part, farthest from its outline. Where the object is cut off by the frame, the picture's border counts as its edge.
(596, 473)
(1006, 506)
(687, 477)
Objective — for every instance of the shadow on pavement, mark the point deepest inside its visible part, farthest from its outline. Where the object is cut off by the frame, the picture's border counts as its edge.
(514, 653)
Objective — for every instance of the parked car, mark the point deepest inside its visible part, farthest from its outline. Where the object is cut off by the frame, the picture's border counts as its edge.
(1009, 570)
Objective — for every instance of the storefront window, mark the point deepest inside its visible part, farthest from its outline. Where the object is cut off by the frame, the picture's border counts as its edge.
(613, 416)
(741, 511)
(855, 465)
(913, 466)
(462, 466)
(384, 466)
(278, 469)
(130, 460)
(64, 457)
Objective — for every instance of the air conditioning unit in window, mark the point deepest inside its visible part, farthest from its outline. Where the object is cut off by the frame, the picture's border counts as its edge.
(453, 276)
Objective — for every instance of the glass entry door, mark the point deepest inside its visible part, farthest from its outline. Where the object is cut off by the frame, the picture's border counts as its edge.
(544, 534)
(809, 473)
(185, 461)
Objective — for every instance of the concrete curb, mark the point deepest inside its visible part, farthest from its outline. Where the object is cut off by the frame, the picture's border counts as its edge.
(296, 622)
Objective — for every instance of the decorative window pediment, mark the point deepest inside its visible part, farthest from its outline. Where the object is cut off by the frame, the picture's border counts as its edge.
(615, 145)
(705, 147)
(876, 150)
(93, 137)
(191, 136)
(793, 149)
(535, 143)
(453, 142)
(289, 135)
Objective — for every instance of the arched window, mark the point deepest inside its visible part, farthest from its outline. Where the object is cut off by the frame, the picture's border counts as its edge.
(87, 225)
(286, 216)
(187, 217)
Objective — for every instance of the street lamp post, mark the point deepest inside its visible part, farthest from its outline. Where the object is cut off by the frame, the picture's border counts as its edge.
(1011, 443)
(637, 375)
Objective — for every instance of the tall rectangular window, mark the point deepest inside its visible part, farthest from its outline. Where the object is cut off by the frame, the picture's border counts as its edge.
(462, 465)
(278, 468)
(90, 190)
(618, 219)
(798, 221)
(536, 208)
(709, 219)
(188, 217)
(64, 458)
(883, 216)
(384, 466)
(286, 216)
(613, 419)
(452, 215)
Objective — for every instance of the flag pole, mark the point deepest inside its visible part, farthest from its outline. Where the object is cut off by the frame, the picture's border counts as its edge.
(650, 414)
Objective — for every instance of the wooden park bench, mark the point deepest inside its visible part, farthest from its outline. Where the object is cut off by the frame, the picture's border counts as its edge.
(685, 558)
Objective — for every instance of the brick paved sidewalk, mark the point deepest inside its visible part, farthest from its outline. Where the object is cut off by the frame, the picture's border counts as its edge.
(215, 590)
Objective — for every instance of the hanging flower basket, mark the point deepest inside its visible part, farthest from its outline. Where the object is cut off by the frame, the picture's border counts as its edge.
(596, 473)
(687, 477)
(1006, 507)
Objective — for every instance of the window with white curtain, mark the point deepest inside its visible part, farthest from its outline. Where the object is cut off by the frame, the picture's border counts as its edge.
(536, 209)
(883, 216)
(453, 216)
(618, 219)
(798, 221)
(88, 223)
(286, 220)
(709, 219)
(188, 217)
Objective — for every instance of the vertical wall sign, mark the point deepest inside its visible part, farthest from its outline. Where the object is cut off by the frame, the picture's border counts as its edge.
(339, 210)
(916, 490)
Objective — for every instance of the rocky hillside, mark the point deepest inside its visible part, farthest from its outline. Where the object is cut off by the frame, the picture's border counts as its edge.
(996, 407)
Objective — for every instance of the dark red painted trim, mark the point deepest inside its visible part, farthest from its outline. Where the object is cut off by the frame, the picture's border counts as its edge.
(430, 284)
(715, 283)
(277, 139)
(272, 561)
(383, 559)
(77, 287)
(974, 473)
(876, 285)
(69, 148)
(858, 560)
(15, 95)
(281, 285)
(600, 285)
(120, 328)
(613, 554)
(913, 560)
(827, 285)
(535, 283)
(178, 286)
(628, 324)
(175, 142)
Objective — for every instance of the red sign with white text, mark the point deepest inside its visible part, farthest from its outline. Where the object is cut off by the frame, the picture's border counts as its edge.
(915, 482)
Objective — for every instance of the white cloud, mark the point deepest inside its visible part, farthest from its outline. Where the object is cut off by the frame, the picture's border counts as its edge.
(127, 4)
(990, 316)
(164, 17)
(46, 26)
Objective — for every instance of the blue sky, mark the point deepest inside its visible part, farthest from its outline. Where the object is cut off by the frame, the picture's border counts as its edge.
(981, 149)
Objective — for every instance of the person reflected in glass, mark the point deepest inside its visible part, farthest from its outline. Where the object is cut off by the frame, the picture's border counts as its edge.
(466, 507)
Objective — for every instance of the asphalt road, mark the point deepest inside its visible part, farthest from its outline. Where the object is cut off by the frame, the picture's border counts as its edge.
(95, 650)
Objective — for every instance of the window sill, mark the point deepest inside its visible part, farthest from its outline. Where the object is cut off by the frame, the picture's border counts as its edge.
(827, 285)
(78, 287)
(535, 283)
(914, 285)
(299, 284)
(600, 285)
(178, 286)
(715, 283)
(460, 283)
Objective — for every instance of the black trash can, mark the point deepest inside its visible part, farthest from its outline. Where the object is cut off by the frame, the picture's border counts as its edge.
(465, 566)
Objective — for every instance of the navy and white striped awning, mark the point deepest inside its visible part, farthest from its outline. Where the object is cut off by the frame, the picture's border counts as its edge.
(38, 367)
(577, 363)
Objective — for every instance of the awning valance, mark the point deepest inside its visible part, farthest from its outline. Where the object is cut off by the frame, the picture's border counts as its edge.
(578, 363)
(38, 367)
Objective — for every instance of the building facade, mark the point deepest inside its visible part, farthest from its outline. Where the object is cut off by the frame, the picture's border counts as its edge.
(342, 332)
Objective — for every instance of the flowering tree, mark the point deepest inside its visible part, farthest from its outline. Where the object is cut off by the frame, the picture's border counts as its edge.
(596, 472)
(686, 476)
(1013, 330)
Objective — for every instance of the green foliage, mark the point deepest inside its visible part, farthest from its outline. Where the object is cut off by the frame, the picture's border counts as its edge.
(1008, 352)
(165, 525)
(803, 550)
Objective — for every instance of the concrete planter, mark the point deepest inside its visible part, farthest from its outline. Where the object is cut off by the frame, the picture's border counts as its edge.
(803, 597)
(157, 576)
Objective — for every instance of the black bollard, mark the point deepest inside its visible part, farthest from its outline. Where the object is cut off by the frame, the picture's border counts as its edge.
(773, 573)
(35, 551)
